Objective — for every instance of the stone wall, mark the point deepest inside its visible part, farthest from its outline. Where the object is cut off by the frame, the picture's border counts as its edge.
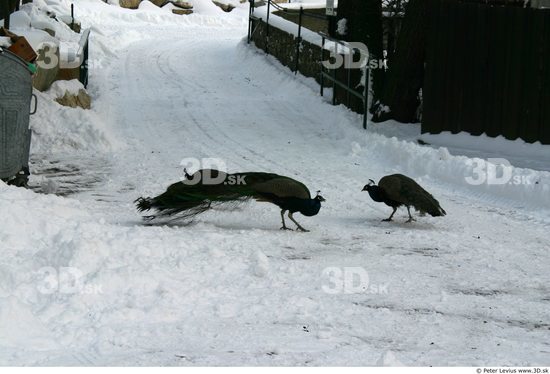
(282, 46)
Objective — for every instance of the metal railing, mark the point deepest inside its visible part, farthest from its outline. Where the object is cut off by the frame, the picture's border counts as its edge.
(251, 19)
(330, 75)
(326, 73)
(301, 13)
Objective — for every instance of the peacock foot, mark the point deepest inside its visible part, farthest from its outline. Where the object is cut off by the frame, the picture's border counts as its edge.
(286, 228)
(300, 228)
(410, 220)
(387, 220)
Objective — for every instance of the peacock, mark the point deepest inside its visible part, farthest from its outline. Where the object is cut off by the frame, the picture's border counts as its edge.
(397, 189)
(208, 188)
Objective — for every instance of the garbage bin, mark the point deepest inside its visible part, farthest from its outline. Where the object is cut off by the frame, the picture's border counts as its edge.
(15, 104)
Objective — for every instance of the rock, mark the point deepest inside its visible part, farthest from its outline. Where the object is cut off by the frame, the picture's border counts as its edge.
(82, 100)
(159, 3)
(67, 100)
(130, 4)
(72, 23)
(182, 11)
(76, 26)
(182, 4)
(224, 7)
(49, 31)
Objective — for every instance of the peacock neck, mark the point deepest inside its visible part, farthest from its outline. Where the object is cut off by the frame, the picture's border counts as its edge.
(376, 193)
(310, 207)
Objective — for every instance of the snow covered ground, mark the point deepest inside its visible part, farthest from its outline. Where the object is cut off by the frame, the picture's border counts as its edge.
(471, 288)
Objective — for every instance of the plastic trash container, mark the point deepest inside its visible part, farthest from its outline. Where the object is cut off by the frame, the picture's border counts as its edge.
(15, 109)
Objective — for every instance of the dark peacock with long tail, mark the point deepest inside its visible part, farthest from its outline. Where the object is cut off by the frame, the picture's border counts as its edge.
(208, 188)
(399, 190)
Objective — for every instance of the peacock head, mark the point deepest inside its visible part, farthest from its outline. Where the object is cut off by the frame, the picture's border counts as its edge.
(369, 185)
(318, 197)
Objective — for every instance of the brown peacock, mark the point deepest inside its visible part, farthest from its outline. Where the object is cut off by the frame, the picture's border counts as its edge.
(207, 189)
(399, 190)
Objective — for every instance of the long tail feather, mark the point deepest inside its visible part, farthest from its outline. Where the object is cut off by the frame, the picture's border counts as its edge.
(185, 201)
(425, 202)
(143, 204)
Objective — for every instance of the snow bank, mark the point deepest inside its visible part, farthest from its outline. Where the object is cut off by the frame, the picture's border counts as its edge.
(527, 188)
(492, 147)
(41, 20)
(36, 38)
(57, 128)
(149, 6)
(32, 21)
(59, 88)
(53, 6)
(207, 7)
(119, 275)
(20, 20)
(5, 41)
(62, 129)
(204, 13)
(32, 229)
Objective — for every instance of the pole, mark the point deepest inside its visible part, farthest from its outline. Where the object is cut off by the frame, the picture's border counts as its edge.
(366, 98)
(322, 77)
(6, 13)
(251, 2)
(299, 41)
(72, 16)
(267, 27)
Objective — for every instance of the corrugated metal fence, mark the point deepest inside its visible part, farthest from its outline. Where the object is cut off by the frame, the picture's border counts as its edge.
(488, 71)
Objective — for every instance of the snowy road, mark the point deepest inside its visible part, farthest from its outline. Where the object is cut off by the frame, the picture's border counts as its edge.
(472, 288)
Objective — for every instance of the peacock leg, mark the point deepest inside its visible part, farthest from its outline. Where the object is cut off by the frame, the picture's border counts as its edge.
(410, 217)
(300, 228)
(283, 219)
(390, 217)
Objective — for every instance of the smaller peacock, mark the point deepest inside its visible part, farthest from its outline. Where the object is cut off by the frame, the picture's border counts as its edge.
(208, 188)
(397, 190)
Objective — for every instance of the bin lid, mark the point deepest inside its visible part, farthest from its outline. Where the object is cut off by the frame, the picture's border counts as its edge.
(19, 60)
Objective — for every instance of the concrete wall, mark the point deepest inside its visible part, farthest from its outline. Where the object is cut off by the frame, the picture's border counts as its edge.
(46, 71)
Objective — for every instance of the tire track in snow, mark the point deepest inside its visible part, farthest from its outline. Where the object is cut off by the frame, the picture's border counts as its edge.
(213, 131)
